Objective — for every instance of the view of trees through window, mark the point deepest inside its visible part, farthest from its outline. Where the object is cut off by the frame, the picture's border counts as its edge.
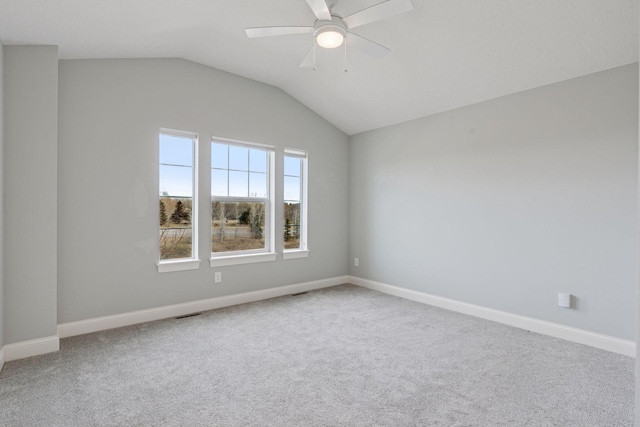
(241, 204)
(291, 225)
(239, 197)
(292, 201)
(237, 226)
(176, 195)
(175, 227)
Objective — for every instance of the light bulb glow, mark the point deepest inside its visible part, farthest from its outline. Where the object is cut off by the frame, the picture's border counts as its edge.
(330, 38)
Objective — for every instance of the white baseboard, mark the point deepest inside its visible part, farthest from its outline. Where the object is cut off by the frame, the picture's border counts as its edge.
(604, 342)
(2, 360)
(125, 319)
(23, 349)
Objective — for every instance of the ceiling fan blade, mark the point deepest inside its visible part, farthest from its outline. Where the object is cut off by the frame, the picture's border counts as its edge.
(277, 31)
(366, 46)
(320, 9)
(380, 11)
(307, 62)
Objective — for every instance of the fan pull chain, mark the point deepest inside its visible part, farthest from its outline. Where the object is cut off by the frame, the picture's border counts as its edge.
(314, 54)
(345, 55)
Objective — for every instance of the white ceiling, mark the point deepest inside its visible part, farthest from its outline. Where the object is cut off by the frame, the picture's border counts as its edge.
(444, 54)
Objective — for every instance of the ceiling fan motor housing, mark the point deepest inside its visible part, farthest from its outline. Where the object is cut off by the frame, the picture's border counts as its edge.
(330, 34)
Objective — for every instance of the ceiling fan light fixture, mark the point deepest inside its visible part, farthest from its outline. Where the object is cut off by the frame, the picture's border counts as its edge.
(330, 30)
(330, 36)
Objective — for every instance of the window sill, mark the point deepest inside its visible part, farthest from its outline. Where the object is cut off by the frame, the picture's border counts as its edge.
(295, 254)
(221, 261)
(181, 265)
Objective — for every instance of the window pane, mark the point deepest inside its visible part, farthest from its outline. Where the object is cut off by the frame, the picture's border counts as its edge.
(218, 182)
(175, 150)
(237, 226)
(175, 228)
(291, 188)
(258, 160)
(295, 211)
(292, 166)
(176, 181)
(219, 156)
(258, 185)
(240, 225)
(238, 158)
(238, 184)
(292, 225)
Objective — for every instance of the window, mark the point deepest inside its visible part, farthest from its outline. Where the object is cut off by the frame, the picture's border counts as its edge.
(241, 207)
(295, 204)
(178, 209)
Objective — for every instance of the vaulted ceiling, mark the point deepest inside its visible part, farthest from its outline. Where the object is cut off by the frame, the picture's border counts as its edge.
(444, 54)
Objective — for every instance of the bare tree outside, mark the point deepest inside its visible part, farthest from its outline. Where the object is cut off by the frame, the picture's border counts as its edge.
(219, 219)
(292, 225)
(175, 243)
(237, 226)
(175, 231)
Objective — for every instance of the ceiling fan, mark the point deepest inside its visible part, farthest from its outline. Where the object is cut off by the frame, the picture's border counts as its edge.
(331, 30)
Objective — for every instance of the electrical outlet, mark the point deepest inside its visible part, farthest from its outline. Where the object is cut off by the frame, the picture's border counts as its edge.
(217, 277)
(564, 300)
(356, 262)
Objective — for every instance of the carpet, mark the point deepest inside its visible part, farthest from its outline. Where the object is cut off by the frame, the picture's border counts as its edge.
(341, 356)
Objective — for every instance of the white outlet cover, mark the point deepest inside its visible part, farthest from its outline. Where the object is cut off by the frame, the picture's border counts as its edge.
(564, 300)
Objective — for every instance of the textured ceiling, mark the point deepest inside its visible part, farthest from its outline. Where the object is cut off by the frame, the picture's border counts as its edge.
(444, 54)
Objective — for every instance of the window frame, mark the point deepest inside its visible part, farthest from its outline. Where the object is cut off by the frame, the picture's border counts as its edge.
(192, 262)
(303, 250)
(266, 254)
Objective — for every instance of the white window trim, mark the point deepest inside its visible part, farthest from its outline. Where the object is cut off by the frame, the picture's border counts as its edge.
(222, 261)
(295, 253)
(245, 144)
(254, 255)
(192, 263)
(303, 250)
(168, 266)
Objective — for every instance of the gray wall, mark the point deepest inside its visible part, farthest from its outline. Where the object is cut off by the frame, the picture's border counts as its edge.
(110, 112)
(30, 171)
(508, 202)
(1, 194)
(637, 413)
